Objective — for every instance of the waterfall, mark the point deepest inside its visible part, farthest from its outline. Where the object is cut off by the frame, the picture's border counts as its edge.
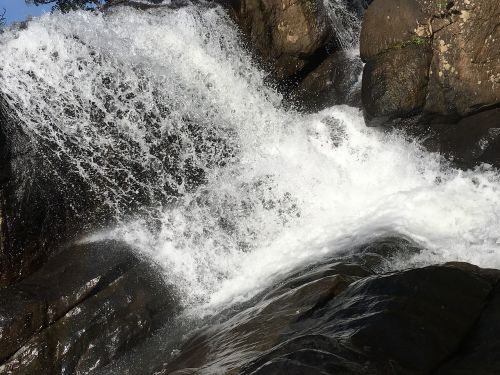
(163, 115)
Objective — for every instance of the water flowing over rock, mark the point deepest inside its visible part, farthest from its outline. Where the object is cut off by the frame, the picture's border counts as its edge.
(296, 41)
(168, 209)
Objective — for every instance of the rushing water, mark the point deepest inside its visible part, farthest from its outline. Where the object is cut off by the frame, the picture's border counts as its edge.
(166, 118)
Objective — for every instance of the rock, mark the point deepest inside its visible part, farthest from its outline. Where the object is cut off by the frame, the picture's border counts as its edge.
(404, 323)
(394, 83)
(465, 70)
(36, 213)
(304, 44)
(358, 7)
(478, 354)
(287, 35)
(473, 140)
(345, 315)
(389, 25)
(85, 307)
(334, 82)
(263, 322)
(455, 77)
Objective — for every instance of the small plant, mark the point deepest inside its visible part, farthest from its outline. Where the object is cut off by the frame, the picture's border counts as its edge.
(442, 4)
(418, 41)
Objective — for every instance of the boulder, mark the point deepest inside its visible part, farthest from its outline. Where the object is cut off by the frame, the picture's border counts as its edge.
(286, 35)
(437, 62)
(404, 323)
(37, 212)
(465, 70)
(478, 355)
(85, 307)
(394, 83)
(473, 140)
(461, 77)
(389, 25)
(335, 81)
(346, 315)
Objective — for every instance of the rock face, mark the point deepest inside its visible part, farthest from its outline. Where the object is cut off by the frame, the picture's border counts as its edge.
(303, 46)
(335, 81)
(345, 316)
(467, 59)
(459, 74)
(36, 213)
(84, 308)
(438, 60)
(287, 35)
(98, 309)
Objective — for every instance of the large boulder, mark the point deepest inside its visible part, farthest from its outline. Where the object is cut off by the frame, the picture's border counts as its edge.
(394, 83)
(40, 207)
(287, 35)
(344, 315)
(436, 60)
(86, 307)
(463, 73)
(465, 70)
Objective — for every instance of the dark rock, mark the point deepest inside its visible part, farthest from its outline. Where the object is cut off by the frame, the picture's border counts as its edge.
(85, 307)
(36, 213)
(341, 317)
(335, 81)
(265, 321)
(473, 140)
(395, 83)
(402, 323)
(478, 354)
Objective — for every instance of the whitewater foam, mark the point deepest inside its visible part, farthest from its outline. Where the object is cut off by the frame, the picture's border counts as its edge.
(137, 103)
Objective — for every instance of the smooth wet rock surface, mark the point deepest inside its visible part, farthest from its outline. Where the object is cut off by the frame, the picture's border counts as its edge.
(84, 308)
(97, 308)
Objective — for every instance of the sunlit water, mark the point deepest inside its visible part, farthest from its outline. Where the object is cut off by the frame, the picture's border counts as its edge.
(145, 106)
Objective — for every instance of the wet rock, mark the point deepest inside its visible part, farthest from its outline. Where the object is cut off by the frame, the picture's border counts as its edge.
(478, 354)
(85, 307)
(347, 315)
(285, 35)
(266, 320)
(335, 81)
(394, 83)
(36, 214)
(473, 140)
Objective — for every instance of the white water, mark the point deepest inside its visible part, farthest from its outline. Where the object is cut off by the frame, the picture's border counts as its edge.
(284, 190)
